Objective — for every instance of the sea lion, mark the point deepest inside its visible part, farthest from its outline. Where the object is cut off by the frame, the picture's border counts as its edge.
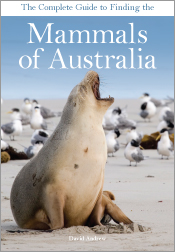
(63, 185)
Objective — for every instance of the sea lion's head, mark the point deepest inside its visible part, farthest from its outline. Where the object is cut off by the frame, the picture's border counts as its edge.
(87, 93)
(85, 99)
(91, 85)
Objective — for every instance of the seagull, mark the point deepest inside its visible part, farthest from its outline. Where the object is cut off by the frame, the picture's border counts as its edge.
(45, 112)
(148, 110)
(117, 120)
(111, 141)
(39, 135)
(169, 116)
(26, 106)
(15, 114)
(116, 113)
(165, 146)
(133, 153)
(33, 150)
(166, 125)
(13, 128)
(133, 134)
(112, 114)
(166, 114)
(158, 103)
(37, 121)
(4, 145)
(124, 123)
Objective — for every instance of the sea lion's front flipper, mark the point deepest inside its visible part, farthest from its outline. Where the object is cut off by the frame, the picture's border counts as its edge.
(114, 211)
(54, 205)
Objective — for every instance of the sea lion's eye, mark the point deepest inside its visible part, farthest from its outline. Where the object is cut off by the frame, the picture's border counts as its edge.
(98, 78)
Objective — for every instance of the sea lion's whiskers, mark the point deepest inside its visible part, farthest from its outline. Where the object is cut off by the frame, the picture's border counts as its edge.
(103, 82)
(101, 76)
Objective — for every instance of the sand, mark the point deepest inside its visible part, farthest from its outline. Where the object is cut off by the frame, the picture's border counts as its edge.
(145, 194)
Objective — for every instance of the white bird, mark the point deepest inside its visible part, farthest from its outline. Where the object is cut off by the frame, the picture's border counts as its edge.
(167, 115)
(163, 113)
(165, 146)
(124, 123)
(116, 113)
(26, 106)
(117, 119)
(158, 103)
(35, 103)
(37, 121)
(39, 135)
(33, 150)
(16, 115)
(133, 153)
(12, 129)
(45, 112)
(110, 116)
(4, 145)
(111, 141)
(133, 134)
(148, 110)
(166, 125)
(145, 98)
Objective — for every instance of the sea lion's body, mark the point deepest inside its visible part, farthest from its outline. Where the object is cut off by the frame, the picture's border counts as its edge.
(62, 186)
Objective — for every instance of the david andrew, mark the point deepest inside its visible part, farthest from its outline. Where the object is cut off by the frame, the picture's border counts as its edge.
(86, 238)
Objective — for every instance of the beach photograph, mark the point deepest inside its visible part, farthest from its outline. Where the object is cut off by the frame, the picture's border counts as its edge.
(87, 133)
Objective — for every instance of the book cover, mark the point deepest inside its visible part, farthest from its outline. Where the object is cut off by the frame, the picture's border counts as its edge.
(127, 48)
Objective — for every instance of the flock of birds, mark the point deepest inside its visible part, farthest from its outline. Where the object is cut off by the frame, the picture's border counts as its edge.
(33, 114)
(114, 121)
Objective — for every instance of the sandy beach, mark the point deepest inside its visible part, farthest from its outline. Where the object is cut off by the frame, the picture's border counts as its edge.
(144, 193)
